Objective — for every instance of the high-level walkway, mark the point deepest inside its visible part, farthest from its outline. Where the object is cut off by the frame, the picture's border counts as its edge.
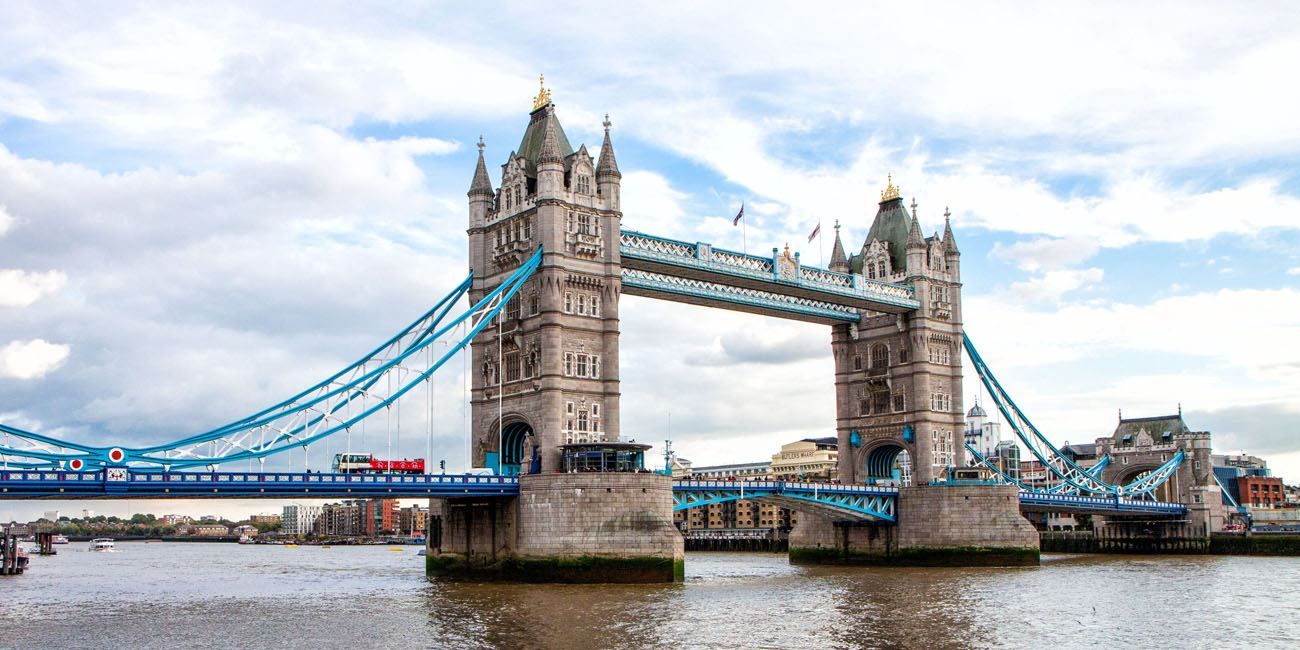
(697, 273)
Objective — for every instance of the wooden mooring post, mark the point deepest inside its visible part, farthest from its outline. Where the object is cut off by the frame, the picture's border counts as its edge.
(12, 559)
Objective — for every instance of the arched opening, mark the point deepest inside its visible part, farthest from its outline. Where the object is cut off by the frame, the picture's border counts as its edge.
(514, 436)
(1167, 491)
(889, 464)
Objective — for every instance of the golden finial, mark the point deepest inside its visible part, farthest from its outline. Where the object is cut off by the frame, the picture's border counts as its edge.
(890, 192)
(543, 95)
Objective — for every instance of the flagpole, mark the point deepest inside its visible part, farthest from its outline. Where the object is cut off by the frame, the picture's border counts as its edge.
(820, 259)
(744, 232)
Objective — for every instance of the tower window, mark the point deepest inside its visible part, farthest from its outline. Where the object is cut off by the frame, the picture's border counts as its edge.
(857, 363)
(880, 402)
(879, 356)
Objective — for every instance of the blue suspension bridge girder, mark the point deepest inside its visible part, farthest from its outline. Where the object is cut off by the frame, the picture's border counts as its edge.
(1073, 475)
(860, 502)
(311, 414)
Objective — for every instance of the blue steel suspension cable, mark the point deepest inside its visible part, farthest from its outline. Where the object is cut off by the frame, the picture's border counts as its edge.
(501, 294)
(1003, 401)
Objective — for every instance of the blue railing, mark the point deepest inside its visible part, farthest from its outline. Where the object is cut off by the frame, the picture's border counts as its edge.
(126, 483)
(704, 257)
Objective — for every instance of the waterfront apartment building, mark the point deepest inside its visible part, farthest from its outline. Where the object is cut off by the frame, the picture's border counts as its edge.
(341, 519)
(208, 530)
(413, 520)
(1260, 492)
(381, 516)
(358, 518)
(299, 520)
(267, 518)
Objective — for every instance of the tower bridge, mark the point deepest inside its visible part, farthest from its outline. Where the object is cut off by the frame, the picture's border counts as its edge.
(549, 264)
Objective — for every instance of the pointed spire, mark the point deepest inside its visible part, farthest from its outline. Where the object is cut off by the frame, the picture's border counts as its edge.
(607, 166)
(839, 261)
(914, 237)
(949, 242)
(482, 184)
(550, 152)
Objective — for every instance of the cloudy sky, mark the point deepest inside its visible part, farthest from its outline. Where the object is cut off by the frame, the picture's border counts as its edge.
(203, 210)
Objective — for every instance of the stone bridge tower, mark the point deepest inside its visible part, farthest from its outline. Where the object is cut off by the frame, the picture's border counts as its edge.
(898, 377)
(546, 374)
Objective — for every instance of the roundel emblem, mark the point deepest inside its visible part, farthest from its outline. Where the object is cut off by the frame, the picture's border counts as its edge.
(76, 464)
(116, 455)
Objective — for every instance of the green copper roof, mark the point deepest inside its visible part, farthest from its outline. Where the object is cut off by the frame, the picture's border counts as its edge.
(891, 226)
(531, 146)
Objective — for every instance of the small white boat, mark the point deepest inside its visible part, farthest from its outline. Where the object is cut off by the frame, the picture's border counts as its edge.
(101, 544)
(59, 539)
(245, 539)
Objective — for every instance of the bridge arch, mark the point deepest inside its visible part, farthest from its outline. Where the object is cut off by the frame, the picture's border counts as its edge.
(888, 461)
(1166, 491)
(517, 441)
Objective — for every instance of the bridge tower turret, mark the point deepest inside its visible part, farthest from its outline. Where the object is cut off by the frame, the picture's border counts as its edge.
(608, 178)
(547, 374)
(898, 377)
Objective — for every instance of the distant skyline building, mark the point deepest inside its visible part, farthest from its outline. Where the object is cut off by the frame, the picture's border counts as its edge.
(299, 520)
(982, 432)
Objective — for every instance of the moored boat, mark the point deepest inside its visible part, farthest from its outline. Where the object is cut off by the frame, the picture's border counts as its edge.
(101, 544)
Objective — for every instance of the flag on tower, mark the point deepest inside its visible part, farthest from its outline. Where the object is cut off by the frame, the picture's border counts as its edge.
(816, 231)
(739, 215)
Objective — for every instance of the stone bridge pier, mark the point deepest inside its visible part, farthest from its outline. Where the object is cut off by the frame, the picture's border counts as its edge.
(938, 525)
(583, 527)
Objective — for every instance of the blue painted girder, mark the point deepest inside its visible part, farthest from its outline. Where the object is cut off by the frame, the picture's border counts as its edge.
(122, 483)
(863, 502)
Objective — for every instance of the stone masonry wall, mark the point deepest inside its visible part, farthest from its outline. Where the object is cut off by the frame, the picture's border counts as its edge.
(598, 514)
(956, 516)
(950, 525)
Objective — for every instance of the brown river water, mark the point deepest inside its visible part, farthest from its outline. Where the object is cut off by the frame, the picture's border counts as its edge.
(172, 595)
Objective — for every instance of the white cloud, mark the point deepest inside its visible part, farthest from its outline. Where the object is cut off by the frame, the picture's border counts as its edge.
(1044, 253)
(1295, 270)
(1192, 326)
(20, 288)
(650, 204)
(6, 220)
(31, 359)
(1052, 285)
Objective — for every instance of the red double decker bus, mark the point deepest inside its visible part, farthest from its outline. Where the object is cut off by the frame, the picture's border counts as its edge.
(368, 464)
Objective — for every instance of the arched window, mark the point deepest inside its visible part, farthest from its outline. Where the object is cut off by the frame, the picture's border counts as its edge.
(879, 356)
(857, 363)
(881, 266)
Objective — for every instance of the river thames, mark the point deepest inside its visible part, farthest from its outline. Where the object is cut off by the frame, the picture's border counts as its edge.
(168, 595)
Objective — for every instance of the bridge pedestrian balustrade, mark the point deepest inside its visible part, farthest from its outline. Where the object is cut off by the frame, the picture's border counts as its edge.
(698, 273)
(123, 483)
(858, 502)
(1039, 501)
(876, 503)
